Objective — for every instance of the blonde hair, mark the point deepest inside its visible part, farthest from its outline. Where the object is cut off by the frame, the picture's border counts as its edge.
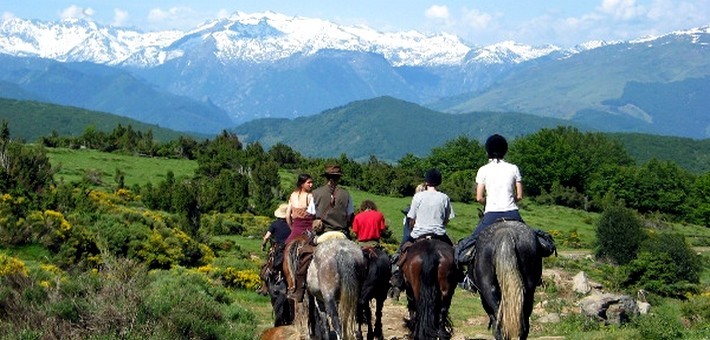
(421, 187)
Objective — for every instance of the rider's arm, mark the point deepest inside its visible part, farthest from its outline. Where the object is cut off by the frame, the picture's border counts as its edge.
(518, 191)
(480, 193)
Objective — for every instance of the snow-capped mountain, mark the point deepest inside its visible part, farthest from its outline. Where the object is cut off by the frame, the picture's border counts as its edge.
(259, 37)
(259, 65)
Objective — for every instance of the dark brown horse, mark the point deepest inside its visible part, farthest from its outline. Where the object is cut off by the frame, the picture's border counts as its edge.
(507, 268)
(273, 284)
(430, 277)
(375, 286)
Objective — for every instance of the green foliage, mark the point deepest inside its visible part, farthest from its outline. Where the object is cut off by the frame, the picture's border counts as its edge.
(697, 310)
(661, 324)
(563, 155)
(665, 265)
(32, 121)
(186, 307)
(699, 201)
(619, 235)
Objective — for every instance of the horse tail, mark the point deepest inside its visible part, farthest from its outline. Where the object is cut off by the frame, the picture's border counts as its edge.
(349, 267)
(510, 312)
(429, 304)
(290, 262)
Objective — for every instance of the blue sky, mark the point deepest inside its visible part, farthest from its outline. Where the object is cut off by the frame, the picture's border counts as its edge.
(561, 22)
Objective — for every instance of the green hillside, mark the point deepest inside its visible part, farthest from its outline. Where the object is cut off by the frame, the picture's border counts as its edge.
(385, 127)
(692, 155)
(30, 120)
(389, 129)
(584, 82)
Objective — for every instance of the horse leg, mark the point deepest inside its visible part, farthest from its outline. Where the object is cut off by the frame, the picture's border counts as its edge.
(379, 304)
(331, 310)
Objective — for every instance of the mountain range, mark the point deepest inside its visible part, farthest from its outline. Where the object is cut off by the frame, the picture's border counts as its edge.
(234, 70)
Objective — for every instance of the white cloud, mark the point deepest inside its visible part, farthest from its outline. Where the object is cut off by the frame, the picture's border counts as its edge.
(119, 17)
(76, 12)
(8, 15)
(437, 12)
(173, 18)
(621, 9)
(477, 19)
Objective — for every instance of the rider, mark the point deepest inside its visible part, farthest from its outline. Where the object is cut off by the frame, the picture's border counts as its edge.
(429, 214)
(498, 187)
(368, 224)
(278, 232)
(335, 210)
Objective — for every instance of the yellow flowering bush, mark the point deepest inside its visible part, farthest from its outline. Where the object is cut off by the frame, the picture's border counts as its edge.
(247, 279)
(50, 227)
(11, 266)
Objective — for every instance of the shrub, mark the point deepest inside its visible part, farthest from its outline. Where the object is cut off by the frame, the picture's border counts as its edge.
(11, 266)
(662, 324)
(184, 307)
(666, 265)
(619, 235)
(247, 279)
(697, 310)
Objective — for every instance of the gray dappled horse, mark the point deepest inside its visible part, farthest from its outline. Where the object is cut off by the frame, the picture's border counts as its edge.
(507, 267)
(334, 278)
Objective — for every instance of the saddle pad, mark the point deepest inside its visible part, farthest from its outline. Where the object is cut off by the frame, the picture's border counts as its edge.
(330, 235)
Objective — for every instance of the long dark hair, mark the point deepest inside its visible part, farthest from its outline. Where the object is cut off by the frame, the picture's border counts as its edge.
(302, 178)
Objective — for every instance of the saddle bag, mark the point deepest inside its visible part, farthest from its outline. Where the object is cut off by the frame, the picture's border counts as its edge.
(545, 242)
(464, 250)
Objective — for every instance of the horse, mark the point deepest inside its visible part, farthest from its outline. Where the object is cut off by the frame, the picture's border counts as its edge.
(507, 267)
(273, 284)
(299, 311)
(430, 277)
(333, 282)
(375, 286)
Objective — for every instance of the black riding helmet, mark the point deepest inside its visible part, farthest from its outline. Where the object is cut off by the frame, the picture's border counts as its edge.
(496, 146)
(433, 177)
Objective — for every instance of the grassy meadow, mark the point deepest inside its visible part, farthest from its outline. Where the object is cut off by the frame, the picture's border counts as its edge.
(573, 231)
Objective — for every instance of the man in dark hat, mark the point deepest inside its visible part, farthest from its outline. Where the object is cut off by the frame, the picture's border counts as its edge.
(334, 205)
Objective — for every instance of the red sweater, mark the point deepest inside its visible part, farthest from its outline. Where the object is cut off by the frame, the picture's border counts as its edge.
(368, 224)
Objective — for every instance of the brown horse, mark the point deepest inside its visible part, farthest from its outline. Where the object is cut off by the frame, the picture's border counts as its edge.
(430, 277)
(375, 286)
(292, 252)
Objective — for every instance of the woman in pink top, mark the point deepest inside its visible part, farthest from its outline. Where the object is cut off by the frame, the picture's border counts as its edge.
(301, 210)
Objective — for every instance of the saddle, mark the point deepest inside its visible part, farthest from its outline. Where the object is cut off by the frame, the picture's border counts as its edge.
(406, 245)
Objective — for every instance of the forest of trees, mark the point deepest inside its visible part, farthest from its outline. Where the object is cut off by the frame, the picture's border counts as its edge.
(562, 166)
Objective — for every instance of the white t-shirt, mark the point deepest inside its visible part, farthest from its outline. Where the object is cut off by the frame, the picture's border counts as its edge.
(499, 178)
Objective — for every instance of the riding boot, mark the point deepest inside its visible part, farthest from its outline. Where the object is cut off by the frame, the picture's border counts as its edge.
(301, 272)
(396, 281)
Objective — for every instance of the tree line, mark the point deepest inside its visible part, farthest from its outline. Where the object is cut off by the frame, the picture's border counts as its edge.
(562, 166)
